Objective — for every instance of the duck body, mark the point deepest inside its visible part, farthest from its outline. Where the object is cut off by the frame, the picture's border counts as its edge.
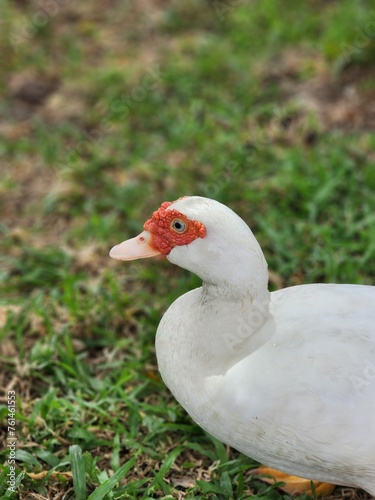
(286, 377)
(299, 395)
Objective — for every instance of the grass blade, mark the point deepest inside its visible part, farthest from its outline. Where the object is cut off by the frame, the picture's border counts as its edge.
(78, 471)
(110, 483)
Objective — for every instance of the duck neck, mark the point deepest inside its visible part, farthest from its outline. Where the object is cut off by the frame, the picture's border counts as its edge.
(222, 321)
(237, 278)
(237, 326)
(206, 333)
(249, 292)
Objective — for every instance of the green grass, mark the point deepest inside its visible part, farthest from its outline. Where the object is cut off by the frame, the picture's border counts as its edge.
(83, 171)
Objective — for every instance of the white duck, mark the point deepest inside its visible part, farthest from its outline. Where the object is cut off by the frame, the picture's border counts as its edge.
(286, 377)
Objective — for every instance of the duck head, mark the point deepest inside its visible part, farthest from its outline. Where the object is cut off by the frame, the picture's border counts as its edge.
(204, 237)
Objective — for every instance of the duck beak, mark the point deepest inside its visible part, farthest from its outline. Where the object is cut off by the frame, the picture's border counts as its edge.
(135, 248)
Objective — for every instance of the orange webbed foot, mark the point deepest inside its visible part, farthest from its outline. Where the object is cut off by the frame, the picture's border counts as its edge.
(293, 485)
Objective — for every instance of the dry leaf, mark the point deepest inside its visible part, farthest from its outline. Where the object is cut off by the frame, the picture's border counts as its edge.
(4, 312)
(55, 474)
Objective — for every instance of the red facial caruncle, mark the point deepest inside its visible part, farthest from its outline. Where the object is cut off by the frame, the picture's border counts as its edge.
(171, 228)
(164, 231)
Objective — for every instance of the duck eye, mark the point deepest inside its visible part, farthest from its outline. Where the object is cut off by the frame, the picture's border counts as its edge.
(178, 225)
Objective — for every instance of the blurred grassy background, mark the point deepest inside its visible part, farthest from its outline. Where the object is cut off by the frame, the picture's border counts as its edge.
(108, 109)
